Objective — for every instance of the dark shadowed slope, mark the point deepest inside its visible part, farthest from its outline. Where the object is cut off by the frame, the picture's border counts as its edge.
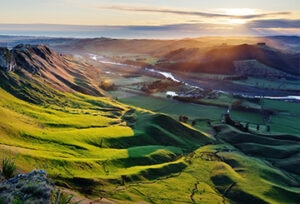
(221, 60)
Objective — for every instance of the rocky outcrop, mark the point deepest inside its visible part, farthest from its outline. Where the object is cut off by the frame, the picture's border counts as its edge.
(7, 60)
(35, 58)
(34, 187)
(29, 57)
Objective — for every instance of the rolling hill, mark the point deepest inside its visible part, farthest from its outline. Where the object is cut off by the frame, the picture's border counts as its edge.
(216, 55)
(222, 60)
(54, 117)
(47, 123)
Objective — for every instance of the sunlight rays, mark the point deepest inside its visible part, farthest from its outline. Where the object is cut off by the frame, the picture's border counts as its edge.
(239, 11)
(235, 13)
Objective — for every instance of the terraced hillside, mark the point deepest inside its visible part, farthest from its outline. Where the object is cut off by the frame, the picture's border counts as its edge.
(104, 149)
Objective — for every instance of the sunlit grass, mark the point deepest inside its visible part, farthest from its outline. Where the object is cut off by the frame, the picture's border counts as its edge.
(51, 136)
(98, 139)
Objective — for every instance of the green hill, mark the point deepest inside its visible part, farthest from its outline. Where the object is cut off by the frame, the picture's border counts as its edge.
(104, 149)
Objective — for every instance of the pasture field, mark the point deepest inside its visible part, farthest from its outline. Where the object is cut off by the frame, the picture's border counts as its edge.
(277, 84)
(284, 120)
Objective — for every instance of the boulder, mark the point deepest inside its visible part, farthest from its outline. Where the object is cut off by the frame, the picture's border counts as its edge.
(34, 187)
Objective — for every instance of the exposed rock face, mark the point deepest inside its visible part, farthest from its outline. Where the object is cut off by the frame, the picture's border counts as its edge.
(33, 187)
(7, 61)
(34, 58)
(29, 57)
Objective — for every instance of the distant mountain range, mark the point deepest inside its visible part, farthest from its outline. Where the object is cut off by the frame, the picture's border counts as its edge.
(276, 56)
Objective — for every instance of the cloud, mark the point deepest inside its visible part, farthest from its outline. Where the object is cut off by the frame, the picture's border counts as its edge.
(191, 13)
(275, 23)
(159, 31)
(274, 27)
(257, 27)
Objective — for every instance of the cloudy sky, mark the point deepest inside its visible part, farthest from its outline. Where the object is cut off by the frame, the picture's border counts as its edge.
(150, 18)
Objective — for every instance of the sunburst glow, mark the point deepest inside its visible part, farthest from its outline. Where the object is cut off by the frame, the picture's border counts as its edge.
(236, 21)
(239, 11)
(134, 18)
(235, 13)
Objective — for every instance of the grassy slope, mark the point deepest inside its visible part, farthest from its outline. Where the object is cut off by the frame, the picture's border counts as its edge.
(286, 113)
(260, 168)
(82, 149)
(271, 158)
(151, 164)
(90, 143)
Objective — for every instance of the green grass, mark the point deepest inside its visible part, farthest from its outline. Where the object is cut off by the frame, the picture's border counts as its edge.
(286, 116)
(64, 143)
(271, 83)
(286, 113)
(175, 108)
(282, 106)
(8, 168)
(91, 143)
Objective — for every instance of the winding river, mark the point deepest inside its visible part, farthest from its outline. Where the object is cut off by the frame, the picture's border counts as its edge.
(218, 85)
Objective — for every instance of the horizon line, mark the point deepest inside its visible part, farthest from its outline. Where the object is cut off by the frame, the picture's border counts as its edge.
(167, 31)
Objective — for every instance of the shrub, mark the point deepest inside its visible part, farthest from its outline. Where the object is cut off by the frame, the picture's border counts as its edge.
(66, 199)
(107, 85)
(8, 168)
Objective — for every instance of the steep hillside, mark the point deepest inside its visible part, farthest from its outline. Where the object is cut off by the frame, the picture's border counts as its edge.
(27, 67)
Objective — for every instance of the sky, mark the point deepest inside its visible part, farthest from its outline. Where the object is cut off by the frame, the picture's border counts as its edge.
(149, 18)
